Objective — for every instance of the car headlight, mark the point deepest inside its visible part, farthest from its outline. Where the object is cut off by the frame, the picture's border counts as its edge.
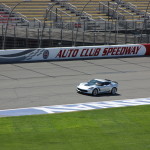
(91, 88)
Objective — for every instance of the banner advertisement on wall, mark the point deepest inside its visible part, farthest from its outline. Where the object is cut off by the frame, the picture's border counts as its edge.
(71, 53)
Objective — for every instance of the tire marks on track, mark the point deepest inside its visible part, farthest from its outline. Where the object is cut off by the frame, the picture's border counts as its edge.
(105, 67)
(71, 69)
(34, 71)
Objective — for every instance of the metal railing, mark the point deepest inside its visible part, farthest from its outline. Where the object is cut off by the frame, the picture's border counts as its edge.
(17, 16)
(110, 11)
(63, 14)
(37, 22)
(123, 11)
(53, 16)
(64, 34)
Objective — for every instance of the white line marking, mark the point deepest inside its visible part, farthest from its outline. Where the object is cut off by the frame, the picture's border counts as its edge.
(74, 107)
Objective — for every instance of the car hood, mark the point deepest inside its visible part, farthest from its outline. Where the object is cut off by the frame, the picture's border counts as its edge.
(85, 85)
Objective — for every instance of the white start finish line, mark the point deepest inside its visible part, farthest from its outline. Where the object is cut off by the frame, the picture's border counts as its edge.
(74, 107)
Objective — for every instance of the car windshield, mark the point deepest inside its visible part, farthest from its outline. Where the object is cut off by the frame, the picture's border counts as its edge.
(93, 82)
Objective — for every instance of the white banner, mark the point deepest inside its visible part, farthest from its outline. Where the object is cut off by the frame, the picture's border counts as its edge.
(68, 53)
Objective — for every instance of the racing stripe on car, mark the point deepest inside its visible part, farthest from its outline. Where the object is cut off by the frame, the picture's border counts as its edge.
(74, 107)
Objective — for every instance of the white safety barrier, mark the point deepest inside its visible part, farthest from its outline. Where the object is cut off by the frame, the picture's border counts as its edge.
(70, 53)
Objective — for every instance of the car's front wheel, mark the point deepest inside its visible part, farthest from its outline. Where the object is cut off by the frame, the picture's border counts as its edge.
(95, 92)
(113, 91)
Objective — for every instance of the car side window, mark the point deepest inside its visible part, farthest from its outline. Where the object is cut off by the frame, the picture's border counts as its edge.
(103, 84)
(99, 83)
(107, 83)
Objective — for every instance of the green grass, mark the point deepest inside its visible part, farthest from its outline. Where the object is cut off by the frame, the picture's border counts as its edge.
(125, 128)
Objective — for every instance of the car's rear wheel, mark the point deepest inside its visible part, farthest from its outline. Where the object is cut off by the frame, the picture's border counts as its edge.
(95, 92)
(113, 91)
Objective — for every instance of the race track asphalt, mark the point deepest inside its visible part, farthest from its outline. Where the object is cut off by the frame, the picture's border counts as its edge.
(53, 83)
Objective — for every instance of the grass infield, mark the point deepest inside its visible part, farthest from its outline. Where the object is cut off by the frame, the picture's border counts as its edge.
(125, 128)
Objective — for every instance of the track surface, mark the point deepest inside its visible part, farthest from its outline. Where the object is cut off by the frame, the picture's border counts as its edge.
(54, 83)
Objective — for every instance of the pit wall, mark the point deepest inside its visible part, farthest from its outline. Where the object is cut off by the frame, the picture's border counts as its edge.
(72, 53)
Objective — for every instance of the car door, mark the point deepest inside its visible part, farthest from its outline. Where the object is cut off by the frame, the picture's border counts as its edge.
(106, 86)
(101, 87)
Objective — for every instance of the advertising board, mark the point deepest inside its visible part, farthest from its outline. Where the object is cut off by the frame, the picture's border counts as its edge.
(71, 53)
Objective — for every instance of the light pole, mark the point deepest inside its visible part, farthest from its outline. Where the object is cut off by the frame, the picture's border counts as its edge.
(4, 40)
(78, 21)
(47, 11)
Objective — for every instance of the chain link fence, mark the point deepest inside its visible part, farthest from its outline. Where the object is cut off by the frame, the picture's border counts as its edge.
(74, 34)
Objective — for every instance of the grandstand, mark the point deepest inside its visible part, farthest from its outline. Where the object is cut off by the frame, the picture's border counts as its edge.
(74, 22)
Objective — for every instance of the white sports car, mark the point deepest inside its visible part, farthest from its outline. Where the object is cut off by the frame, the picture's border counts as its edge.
(98, 86)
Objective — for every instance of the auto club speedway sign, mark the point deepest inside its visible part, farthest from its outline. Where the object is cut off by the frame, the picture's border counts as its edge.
(70, 53)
